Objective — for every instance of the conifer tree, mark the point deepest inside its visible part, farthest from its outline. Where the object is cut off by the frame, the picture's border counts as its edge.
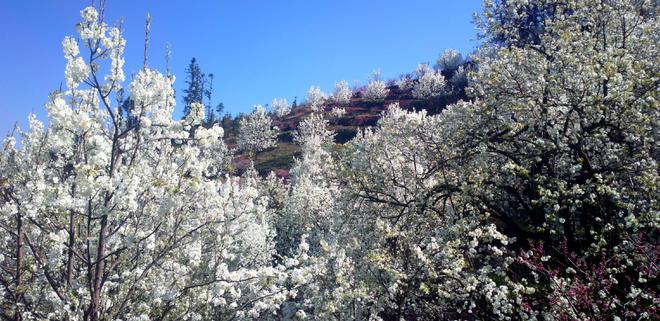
(195, 81)
(220, 108)
(210, 112)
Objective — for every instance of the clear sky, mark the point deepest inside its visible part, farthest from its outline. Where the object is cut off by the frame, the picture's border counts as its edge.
(257, 50)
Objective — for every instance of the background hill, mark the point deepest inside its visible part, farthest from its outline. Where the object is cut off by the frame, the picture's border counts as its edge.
(360, 113)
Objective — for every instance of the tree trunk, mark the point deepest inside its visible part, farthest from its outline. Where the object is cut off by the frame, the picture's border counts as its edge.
(98, 272)
(20, 253)
(69, 263)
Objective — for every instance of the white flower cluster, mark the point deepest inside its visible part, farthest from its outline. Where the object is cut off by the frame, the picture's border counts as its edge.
(430, 83)
(376, 88)
(281, 107)
(196, 114)
(449, 60)
(338, 112)
(342, 94)
(153, 97)
(76, 69)
(256, 131)
(405, 82)
(315, 98)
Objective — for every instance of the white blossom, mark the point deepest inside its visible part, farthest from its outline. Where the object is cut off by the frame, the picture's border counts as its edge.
(342, 93)
(430, 83)
(281, 107)
(449, 59)
(256, 131)
(376, 88)
(315, 98)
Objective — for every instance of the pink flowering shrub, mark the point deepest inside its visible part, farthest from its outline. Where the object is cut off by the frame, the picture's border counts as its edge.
(614, 285)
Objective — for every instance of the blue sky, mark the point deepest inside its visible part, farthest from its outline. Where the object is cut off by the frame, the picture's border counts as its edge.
(257, 50)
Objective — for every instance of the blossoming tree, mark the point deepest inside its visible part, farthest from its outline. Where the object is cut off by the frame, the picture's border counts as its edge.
(342, 93)
(280, 107)
(430, 83)
(256, 132)
(108, 219)
(315, 98)
(449, 60)
(376, 88)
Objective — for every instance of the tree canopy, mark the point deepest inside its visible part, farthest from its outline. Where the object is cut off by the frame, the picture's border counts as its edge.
(535, 198)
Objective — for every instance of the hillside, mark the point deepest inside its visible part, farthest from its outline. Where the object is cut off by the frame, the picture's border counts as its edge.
(360, 114)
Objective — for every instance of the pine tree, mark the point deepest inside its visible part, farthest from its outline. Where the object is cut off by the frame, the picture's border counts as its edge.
(220, 108)
(210, 112)
(195, 81)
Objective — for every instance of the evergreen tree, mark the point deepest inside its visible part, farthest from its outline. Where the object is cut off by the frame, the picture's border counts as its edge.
(220, 108)
(210, 112)
(195, 81)
(294, 105)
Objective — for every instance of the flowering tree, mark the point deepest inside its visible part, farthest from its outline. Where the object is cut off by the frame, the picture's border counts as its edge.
(280, 107)
(311, 203)
(449, 60)
(539, 194)
(404, 183)
(256, 132)
(565, 119)
(460, 78)
(106, 219)
(405, 82)
(315, 98)
(376, 88)
(430, 83)
(338, 112)
(342, 94)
